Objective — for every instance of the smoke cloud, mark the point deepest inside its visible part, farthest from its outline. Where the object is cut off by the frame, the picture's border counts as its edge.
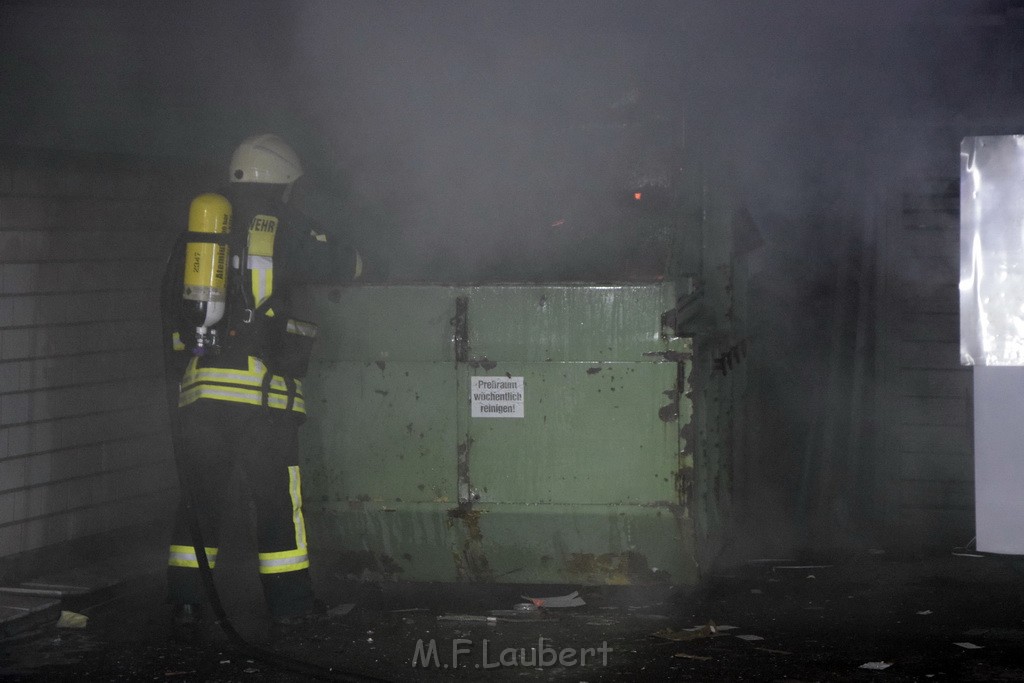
(483, 140)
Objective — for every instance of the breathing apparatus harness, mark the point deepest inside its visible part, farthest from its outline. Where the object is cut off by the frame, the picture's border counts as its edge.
(231, 306)
(248, 322)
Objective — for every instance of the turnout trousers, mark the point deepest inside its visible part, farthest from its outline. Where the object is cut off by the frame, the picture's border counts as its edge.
(216, 436)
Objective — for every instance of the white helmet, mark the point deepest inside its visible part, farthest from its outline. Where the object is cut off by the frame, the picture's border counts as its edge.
(265, 159)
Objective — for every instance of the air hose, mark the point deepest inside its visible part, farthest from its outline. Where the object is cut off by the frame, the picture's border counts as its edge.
(168, 296)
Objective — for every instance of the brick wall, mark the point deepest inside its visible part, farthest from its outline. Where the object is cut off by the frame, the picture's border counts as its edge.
(84, 445)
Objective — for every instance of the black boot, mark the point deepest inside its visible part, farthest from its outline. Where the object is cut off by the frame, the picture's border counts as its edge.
(187, 614)
(187, 623)
(284, 626)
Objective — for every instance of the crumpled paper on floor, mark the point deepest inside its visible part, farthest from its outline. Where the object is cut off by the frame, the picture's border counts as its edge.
(72, 620)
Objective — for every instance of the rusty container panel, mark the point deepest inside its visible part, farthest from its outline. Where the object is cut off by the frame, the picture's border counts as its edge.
(524, 433)
(594, 433)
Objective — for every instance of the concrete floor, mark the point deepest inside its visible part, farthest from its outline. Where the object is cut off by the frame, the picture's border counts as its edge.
(792, 622)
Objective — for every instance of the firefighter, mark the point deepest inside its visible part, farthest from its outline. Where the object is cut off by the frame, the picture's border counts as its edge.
(240, 398)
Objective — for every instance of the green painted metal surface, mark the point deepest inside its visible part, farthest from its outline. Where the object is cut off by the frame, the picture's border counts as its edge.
(589, 482)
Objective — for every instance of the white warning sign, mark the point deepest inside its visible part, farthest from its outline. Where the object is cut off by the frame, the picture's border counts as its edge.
(496, 396)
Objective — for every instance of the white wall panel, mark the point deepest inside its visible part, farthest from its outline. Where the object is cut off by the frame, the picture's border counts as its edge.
(925, 466)
(84, 447)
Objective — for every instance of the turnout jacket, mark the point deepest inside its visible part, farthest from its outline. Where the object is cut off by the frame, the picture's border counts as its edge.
(264, 350)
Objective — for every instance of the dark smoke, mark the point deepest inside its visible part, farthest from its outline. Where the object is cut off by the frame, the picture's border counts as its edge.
(482, 140)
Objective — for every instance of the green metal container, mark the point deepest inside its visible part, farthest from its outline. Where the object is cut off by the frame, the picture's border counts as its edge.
(522, 433)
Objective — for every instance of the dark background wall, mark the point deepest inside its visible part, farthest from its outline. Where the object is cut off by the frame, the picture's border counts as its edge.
(450, 135)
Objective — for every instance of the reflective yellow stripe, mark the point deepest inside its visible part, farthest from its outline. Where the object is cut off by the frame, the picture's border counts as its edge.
(295, 491)
(185, 556)
(239, 386)
(247, 378)
(224, 375)
(282, 565)
(238, 395)
(261, 256)
(262, 284)
(290, 560)
(359, 267)
(250, 378)
(255, 372)
(260, 263)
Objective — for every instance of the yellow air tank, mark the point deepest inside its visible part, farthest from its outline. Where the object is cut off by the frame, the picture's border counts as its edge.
(206, 261)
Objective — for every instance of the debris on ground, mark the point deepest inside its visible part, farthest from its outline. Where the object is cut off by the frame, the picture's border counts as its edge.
(569, 600)
(687, 655)
(801, 567)
(518, 615)
(875, 666)
(468, 617)
(341, 610)
(521, 611)
(706, 631)
(126, 638)
(1015, 635)
(769, 560)
(72, 620)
